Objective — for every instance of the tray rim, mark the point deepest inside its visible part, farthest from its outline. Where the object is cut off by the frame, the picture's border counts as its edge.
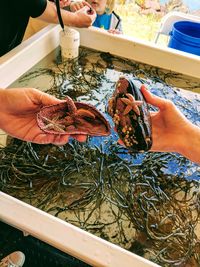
(76, 242)
(46, 40)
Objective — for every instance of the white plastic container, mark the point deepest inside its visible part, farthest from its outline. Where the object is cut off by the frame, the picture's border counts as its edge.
(69, 43)
(54, 231)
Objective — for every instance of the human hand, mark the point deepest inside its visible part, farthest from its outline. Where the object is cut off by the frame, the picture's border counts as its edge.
(168, 123)
(171, 129)
(75, 6)
(84, 17)
(18, 115)
(114, 31)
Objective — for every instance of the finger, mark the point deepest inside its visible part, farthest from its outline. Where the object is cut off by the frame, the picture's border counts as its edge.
(86, 4)
(65, 2)
(88, 11)
(152, 99)
(120, 142)
(74, 8)
(113, 31)
(61, 140)
(153, 113)
(80, 138)
(78, 6)
(83, 10)
(46, 99)
(43, 138)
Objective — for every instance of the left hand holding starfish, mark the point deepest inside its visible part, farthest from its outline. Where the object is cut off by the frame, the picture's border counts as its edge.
(18, 116)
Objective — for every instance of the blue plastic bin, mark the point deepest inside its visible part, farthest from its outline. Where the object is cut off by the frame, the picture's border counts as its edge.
(185, 36)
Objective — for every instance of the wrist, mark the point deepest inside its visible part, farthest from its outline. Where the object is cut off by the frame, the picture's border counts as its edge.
(69, 18)
(190, 143)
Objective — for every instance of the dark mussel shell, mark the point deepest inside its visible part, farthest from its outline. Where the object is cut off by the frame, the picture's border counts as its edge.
(73, 118)
(133, 128)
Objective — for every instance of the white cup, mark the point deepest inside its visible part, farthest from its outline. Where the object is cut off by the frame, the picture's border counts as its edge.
(69, 43)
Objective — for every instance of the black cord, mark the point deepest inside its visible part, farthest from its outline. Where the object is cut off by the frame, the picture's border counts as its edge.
(57, 2)
(119, 19)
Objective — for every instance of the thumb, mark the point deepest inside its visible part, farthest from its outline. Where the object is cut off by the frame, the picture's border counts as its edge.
(46, 99)
(152, 99)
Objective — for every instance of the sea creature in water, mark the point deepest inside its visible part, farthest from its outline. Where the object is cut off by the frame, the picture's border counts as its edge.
(131, 116)
(73, 118)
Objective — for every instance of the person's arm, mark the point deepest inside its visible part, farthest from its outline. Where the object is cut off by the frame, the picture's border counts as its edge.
(171, 130)
(77, 19)
(18, 115)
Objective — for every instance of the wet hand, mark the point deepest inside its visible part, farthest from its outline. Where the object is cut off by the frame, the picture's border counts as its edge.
(85, 17)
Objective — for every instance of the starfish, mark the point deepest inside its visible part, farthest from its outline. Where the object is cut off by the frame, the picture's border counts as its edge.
(78, 116)
(131, 104)
(53, 124)
(74, 112)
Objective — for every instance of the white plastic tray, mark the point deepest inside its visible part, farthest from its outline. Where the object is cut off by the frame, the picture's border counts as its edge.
(26, 55)
(64, 236)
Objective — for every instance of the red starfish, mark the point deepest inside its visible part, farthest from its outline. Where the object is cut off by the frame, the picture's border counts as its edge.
(78, 117)
(132, 104)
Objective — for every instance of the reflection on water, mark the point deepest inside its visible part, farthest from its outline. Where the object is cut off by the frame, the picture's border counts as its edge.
(147, 203)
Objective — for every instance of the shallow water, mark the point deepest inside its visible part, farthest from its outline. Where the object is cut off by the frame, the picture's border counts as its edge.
(134, 200)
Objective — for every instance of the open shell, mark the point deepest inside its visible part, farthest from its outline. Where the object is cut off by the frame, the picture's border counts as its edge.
(132, 121)
(73, 118)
